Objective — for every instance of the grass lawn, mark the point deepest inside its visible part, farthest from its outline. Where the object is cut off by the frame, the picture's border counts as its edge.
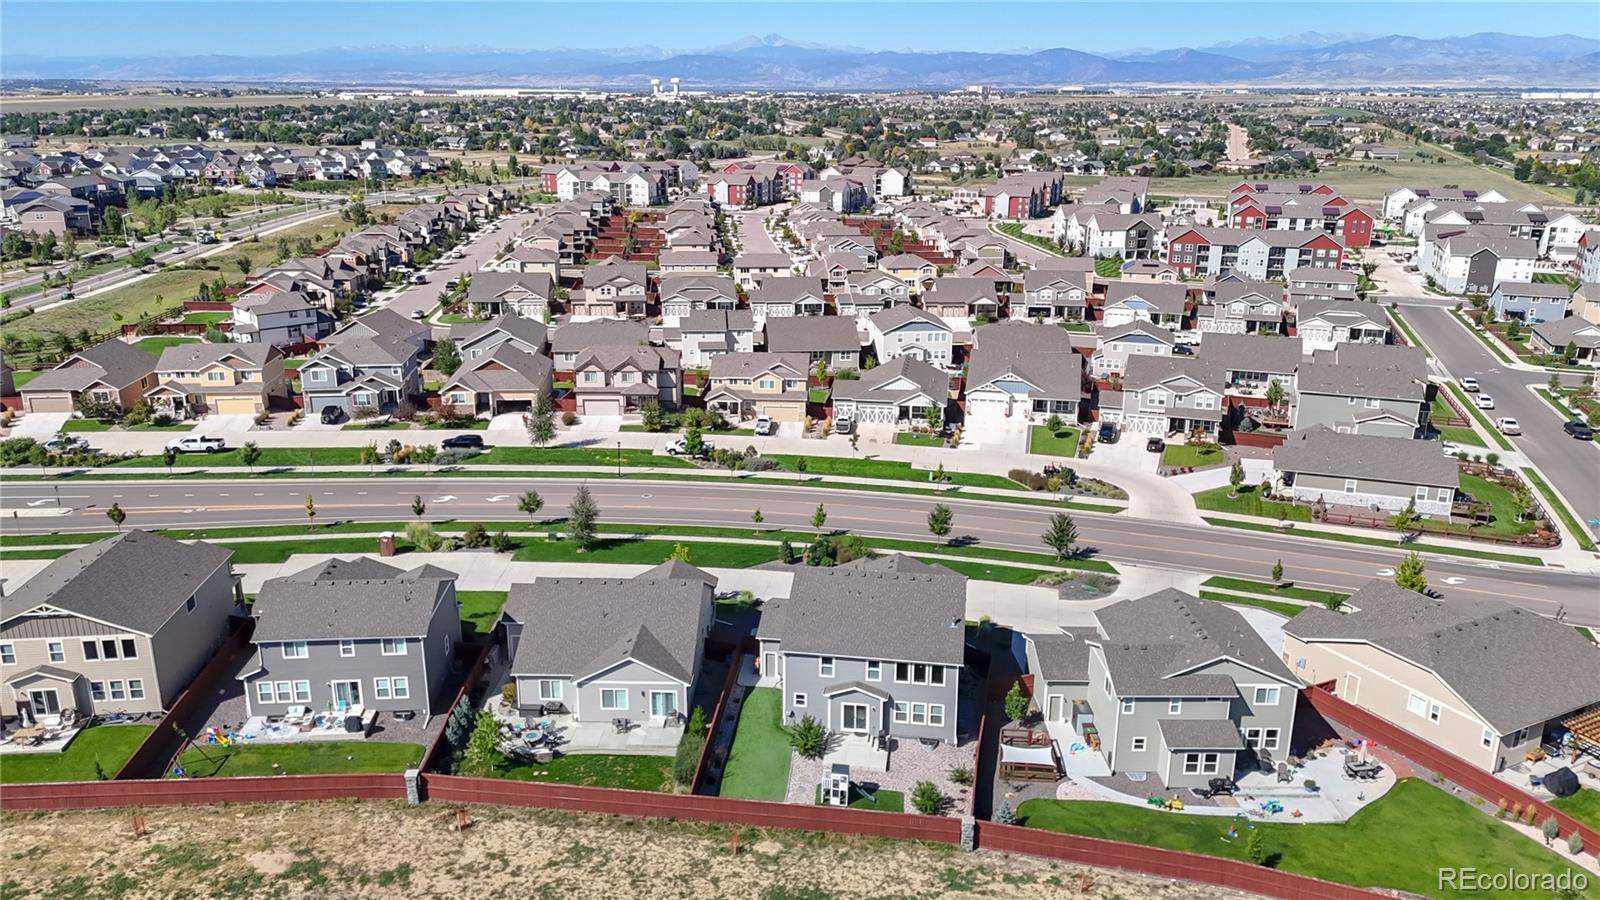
(1079, 327)
(908, 439)
(271, 457)
(1583, 806)
(1108, 267)
(155, 345)
(1392, 543)
(1394, 842)
(1502, 505)
(1248, 504)
(1185, 456)
(110, 744)
(1261, 587)
(308, 758)
(1053, 443)
(880, 801)
(1277, 606)
(634, 773)
(758, 761)
(479, 610)
(85, 425)
(1405, 327)
(1559, 509)
(1460, 434)
(21, 378)
(646, 552)
(574, 456)
(1014, 230)
(376, 426)
(885, 468)
(817, 395)
(176, 426)
(206, 318)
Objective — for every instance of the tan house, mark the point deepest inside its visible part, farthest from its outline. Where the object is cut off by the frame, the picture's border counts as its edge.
(1479, 678)
(747, 385)
(225, 379)
(611, 381)
(109, 372)
(508, 379)
(120, 625)
(910, 268)
(613, 288)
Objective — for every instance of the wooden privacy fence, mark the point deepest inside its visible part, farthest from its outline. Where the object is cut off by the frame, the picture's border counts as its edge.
(1471, 777)
(200, 791)
(745, 647)
(162, 745)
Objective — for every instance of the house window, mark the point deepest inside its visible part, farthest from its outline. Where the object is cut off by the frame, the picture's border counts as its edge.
(919, 673)
(8, 654)
(919, 713)
(825, 667)
(874, 670)
(613, 698)
(128, 647)
(56, 649)
(302, 691)
(902, 713)
(118, 690)
(216, 376)
(317, 375)
(295, 650)
(263, 692)
(189, 604)
(1270, 739)
(1422, 494)
(97, 690)
(1370, 403)
(549, 689)
(936, 714)
(1349, 485)
(347, 648)
(1200, 763)
(285, 692)
(91, 650)
(1488, 739)
(1175, 706)
(380, 688)
(1138, 745)
(394, 647)
(402, 687)
(799, 701)
(1127, 707)
(1417, 705)
(1266, 696)
(1433, 712)
(1445, 495)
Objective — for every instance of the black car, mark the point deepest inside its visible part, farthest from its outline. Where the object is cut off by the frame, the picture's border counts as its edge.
(463, 442)
(1155, 445)
(1579, 429)
(1108, 433)
(332, 415)
(1182, 349)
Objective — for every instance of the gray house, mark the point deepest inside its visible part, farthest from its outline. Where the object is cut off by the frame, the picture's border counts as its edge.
(1180, 688)
(120, 625)
(833, 339)
(873, 648)
(1364, 389)
(375, 361)
(610, 648)
(353, 634)
(1365, 470)
(1530, 301)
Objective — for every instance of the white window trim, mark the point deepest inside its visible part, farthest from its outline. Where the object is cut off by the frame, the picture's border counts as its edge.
(798, 701)
(263, 692)
(56, 651)
(1127, 706)
(874, 670)
(825, 667)
(1416, 704)
(1268, 690)
(611, 708)
(1175, 706)
(401, 685)
(551, 695)
(347, 648)
(383, 646)
(8, 654)
(304, 651)
(1138, 745)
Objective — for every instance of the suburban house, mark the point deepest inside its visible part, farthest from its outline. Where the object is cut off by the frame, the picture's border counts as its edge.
(872, 649)
(1367, 471)
(900, 391)
(1325, 324)
(1153, 302)
(1169, 395)
(529, 260)
(1573, 331)
(353, 636)
(1022, 372)
(1242, 306)
(704, 335)
(1470, 675)
(1177, 687)
(1530, 301)
(750, 269)
(910, 268)
(281, 319)
(1101, 232)
(602, 649)
(613, 288)
(1465, 260)
(1364, 389)
(783, 298)
(613, 380)
(1136, 338)
(683, 261)
(745, 385)
(1318, 283)
(682, 295)
(1054, 296)
(832, 340)
(475, 340)
(110, 373)
(572, 338)
(508, 379)
(119, 625)
(961, 300)
(525, 294)
(906, 330)
(374, 362)
(1252, 362)
(223, 379)
(1396, 201)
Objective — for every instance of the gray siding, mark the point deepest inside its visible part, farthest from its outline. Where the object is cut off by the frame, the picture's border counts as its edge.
(637, 681)
(1337, 411)
(801, 675)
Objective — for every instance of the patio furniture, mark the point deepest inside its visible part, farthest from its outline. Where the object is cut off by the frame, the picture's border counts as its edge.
(1362, 770)
(1218, 786)
(621, 725)
(1284, 776)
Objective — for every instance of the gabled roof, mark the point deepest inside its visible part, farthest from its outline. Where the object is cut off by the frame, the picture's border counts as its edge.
(1155, 645)
(1063, 655)
(879, 384)
(1321, 451)
(812, 334)
(328, 602)
(111, 362)
(530, 331)
(194, 357)
(575, 336)
(872, 609)
(786, 290)
(135, 580)
(902, 314)
(1041, 355)
(507, 369)
(1271, 354)
(1170, 299)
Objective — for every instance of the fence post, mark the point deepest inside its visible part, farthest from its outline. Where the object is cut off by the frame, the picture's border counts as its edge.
(969, 833)
(413, 791)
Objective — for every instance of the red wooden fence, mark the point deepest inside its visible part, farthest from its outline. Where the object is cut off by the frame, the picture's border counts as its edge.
(200, 791)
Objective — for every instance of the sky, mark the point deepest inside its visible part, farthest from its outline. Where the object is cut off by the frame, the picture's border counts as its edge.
(194, 27)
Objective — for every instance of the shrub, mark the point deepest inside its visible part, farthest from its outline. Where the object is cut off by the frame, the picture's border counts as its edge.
(1575, 843)
(687, 758)
(1550, 829)
(1005, 815)
(697, 720)
(363, 412)
(476, 537)
(423, 537)
(759, 464)
(1255, 847)
(569, 418)
(1033, 481)
(961, 775)
(1500, 809)
(926, 799)
(785, 549)
(1016, 703)
(451, 456)
(15, 451)
(502, 543)
(508, 694)
(807, 738)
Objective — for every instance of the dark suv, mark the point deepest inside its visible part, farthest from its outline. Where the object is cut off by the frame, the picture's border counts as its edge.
(1579, 429)
(463, 442)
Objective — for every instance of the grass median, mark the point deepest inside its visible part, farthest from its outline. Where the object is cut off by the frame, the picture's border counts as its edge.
(1385, 543)
(1579, 533)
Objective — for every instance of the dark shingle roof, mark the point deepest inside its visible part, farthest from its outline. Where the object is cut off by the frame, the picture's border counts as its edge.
(1320, 451)
(1152, 640)
(882, 609)
(1200, 734)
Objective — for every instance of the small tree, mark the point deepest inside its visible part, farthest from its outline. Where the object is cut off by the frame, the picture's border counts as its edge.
(680, 552)
(1053, 423)
(250, 454)
(1274, 393)
(1061, 534)
(1551, 829)
(370, 457)
(1407, 518)
(1575, 843)
(807, 739)
(757, 517)
(541, 422)
(786, 552)
(934, 417)
(1277, 572)
(1016, 703)
(940, 518)
(116, 515)
(1255, 847)
(697, 721)
(926, 799)
(426, 454)
(446, 358)
(581, 516)
(483, 747)
(651, 416)
(694, 443)
(311, 512)
(800, 467)
(169, 455)
(476, 537)
(529, 504)
(1005, 815)
(418, 507)
(819, 517)
(1235, 479)
(1410, 573)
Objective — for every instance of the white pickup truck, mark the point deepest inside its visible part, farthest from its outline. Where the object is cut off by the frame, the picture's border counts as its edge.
(197, 443)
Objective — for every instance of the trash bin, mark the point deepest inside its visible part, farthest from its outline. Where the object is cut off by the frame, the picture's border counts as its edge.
(386, 544)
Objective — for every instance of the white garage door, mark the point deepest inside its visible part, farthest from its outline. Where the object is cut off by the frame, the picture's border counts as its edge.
(600, 407)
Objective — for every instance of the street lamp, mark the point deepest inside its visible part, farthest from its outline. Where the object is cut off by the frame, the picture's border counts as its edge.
(619, 459)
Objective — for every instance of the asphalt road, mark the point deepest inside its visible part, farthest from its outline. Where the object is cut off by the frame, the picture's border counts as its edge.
(752, 237)
(1573, 466)
(481, 248)
(161, 503)
(1023, 250)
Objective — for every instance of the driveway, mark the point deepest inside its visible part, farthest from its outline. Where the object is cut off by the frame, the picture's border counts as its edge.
(511, 421)
(39, 425)
(232, 423)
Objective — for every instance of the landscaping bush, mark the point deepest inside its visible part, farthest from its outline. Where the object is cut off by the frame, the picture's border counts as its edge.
(476, 537)
(423, 537)
(15, 451)
(569, 418)
(687, 758)
(926, 799)
(1033, 481)
(961, 775)
(502, 543)
(451, 456)
(807, 738)
(759, 464)
(508, 694)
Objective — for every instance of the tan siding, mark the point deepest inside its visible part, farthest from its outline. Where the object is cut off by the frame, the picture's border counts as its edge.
(52, 626)
(186, 640)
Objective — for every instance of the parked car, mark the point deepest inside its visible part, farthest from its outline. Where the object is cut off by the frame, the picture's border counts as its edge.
(332, 415)
(765, 426)
(65, 443)
(1108, 433)
(463, 442)
(419, 278)
(197, 443)
(1508, 425)
(844, 425)
(1451, 448)
(1484, 401)
(680, 446)
(1183, 349)
(1155, 445)
(419, 314)
(1469, 384)
(1579, 430)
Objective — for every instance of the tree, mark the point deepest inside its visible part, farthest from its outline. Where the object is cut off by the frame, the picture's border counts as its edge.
(169, 455)
(821, 370)
(786, 552)
(530, 503)
(242, 263)
(819, 518)
(1274, 393)
(926, 799)
(1570, 351)
(1005, 815)
(311, 512)
(542, 422)
(1061, 534)
(1277, 572)
(1255, 847)
(1408, 517)
(1053, 423)
(418, 507)
(369, 456)
(1410, 574)
(116, 515)
(807, 738)
(651, 416)
(934, 417)
(483, 747)
(446, 358)
(800, 467)
(694, 443)
(680, 552)
(581, 516)
(1235, 479)
(940, 518)
(1016, 703)
(250, 454)
(756, 516)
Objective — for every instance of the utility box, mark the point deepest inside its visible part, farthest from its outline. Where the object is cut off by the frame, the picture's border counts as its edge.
(386, 544)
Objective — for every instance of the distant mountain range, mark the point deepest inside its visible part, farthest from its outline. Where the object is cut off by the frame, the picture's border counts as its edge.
(775, 63)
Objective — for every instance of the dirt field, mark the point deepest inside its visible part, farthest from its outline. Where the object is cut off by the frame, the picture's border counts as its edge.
(390, 850)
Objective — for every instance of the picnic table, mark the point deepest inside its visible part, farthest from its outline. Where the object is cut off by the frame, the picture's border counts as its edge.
(1361, 769)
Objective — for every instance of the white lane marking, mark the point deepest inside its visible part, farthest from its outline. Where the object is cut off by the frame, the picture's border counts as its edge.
(498, 497)
(41, 502)
(445, 499)
(1386, 573)
(1454, 580)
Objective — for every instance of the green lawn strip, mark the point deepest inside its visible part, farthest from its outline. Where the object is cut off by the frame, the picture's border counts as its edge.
(8, 553)
(1108, 267)
(628, 772)
(1078, 327)
(1502, 507)
(20, 379)
(1583, 806)
(1261, 587)
(1587, 634)
(474, 425)
(206, 318)
(179, 426)
(1460, 434)
(895, 470)
(1185, 456)
(575, 456)
(1543, 392)
(271, 457)
(1248, 504)
(1391, 843)
(880, 801)
(1014, 230)
(758, 760)
(1282, 609)
(376, 426)
(1411, 336)
(817, 395)
(479, 610)
(909, 439)
(1042, 440)
(85, 425)
(648, 552)
(1482, 420)
(1387, 543)
(304, 758)
(155, 345)
(110, 744)
(982, 571)
(1579, 532)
